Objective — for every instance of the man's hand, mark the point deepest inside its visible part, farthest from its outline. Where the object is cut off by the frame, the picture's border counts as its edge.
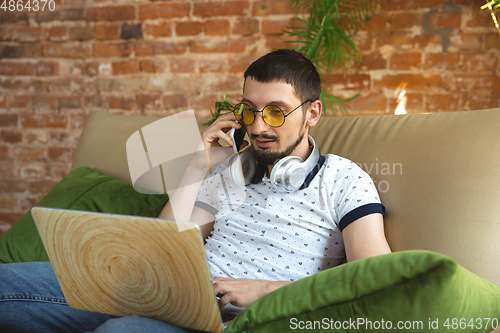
(243, 292)
(215, 153)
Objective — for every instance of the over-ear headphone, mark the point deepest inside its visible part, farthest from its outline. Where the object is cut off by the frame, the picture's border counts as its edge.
(288, 174)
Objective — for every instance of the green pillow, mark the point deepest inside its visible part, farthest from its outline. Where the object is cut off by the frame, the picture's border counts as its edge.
(422, 290)
(83, 189)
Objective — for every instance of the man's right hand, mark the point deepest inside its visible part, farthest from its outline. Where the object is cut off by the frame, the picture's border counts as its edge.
(215, 153)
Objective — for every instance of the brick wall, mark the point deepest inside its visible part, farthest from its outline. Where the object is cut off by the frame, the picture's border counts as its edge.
(160, 57)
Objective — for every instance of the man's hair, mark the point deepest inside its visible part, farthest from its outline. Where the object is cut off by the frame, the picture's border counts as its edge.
(290, 67)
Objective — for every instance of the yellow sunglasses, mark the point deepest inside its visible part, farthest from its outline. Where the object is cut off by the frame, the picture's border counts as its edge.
(271, 114)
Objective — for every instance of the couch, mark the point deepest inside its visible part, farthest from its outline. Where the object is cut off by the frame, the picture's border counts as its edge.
(437, 174)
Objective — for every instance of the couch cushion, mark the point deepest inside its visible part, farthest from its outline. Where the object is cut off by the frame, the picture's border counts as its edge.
(83, 189)
(412, 287)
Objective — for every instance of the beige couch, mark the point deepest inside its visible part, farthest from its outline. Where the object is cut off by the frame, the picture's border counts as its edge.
(437, 174)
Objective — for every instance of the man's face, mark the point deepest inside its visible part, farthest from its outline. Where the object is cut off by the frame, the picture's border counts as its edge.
(273, 143)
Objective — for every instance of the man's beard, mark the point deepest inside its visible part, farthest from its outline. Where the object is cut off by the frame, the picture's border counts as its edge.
(265, 157)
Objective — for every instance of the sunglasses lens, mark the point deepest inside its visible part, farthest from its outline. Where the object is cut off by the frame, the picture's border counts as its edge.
(243, 114)
(273, 116)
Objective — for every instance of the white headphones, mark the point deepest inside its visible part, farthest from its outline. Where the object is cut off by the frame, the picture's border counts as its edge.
(287, 175)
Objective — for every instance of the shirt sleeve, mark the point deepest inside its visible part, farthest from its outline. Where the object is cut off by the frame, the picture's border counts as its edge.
(357, 195)
(207, 195)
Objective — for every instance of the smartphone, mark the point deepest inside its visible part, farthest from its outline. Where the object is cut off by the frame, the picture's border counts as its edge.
(237, 136)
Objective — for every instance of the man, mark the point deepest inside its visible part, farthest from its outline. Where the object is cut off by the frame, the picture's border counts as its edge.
(273, 237)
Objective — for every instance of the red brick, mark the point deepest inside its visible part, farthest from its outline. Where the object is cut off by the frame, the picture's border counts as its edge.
(207, 66)
(405, 41)
(182, 65)
(70, 102)
(20, 101)
(411, 5)
(149, 102)
(476, 19)
(13, 186)
(240, 64)
(125, 67)
(406, 61)
(483, 85)
(41, 186)
(3, 101)
(369, 102)
(81, 33)
(8, 201)
(478, 62)
(45, 103)
(55, 34)
(265, 8)
(29, 34)
(415, 82)
(439, 21)
(29, 154)
(61, 154)
(111, 13)
(44, 120)
(174, 102)
(188, 28)
(492, 41)
(21, 51)
(47, 68)
(4, 154)
(274, 27)
(166, 10)
(226, 8)
(444, 61)
(350, 81)
(107, 32)
(124, 103)
(246, 26)
(70, 50)
(278, 42)
(153, 66)
(230, 83)
(158, 30)
(16, 68)
(466, 41)
(11, 136)
(37, 137)
(402, 21)
(481, 103)
(113, 49)
(225, 46)
(216, 27)
(372, 61)
(8, 120)
(147, 48)
(376, 24)
(442, 102)
(204, 102)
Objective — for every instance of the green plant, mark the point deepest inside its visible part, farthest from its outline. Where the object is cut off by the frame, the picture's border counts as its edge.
(326, 37)
(494, 7)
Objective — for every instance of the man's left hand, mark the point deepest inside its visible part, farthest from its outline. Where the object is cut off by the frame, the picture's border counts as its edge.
(242, 292)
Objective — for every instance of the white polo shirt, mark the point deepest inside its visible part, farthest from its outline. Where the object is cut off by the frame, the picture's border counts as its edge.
(261, 233)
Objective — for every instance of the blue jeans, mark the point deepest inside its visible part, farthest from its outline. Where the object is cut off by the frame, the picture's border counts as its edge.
(32, 301)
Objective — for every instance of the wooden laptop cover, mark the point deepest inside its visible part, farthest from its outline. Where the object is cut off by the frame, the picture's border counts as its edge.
(126, 265)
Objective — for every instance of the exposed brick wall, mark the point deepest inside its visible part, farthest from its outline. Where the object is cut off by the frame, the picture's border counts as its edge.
(161, 57)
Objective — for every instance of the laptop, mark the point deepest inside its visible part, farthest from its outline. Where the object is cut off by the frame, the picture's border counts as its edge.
(128, 265)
